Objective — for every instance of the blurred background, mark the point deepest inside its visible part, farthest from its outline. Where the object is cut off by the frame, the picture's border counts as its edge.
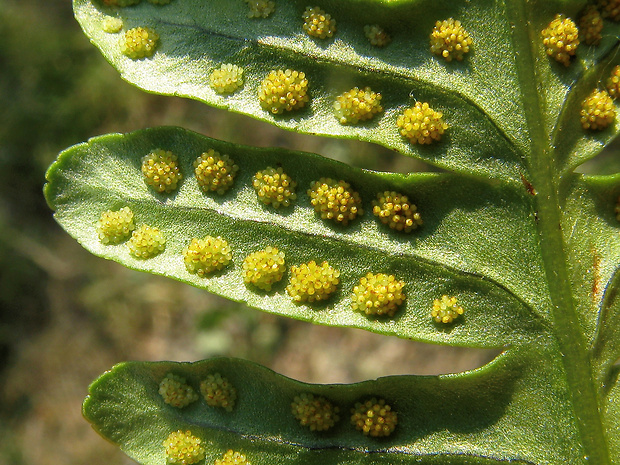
(67, 316)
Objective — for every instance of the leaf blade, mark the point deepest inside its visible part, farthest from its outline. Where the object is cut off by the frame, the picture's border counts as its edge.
(104, 174)
(466, 418)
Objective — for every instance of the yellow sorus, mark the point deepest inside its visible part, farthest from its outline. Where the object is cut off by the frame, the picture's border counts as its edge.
(421, 124)
(357, 105)
(590, 25)
(378, 294)
(317, 413)
(374, 418)
(139, 42)
(204, 256)
(597, 110)
(260, 8)
(176, 392)
(274, 187)
(318, 24)
(226, 79)
(561, 38)
(182, 448)
(377, 35)
(215, 172)
(450, 40)
(218, 392)
(146, 242)
(264, 268)
(311, 282)
(610, 9)
(446, 310)
(161, 170)
(395, 210)
(283, 91)
(335, 200)
(115, 226)
(112, 25)
(613, 82)
(232, 458)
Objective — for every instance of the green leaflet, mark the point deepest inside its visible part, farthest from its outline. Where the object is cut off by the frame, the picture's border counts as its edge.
(487, 137)
(481, 417)
(443, 257)
(530, 249)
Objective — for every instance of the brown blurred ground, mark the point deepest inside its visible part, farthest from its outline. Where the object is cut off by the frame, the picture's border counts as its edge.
(66, 316)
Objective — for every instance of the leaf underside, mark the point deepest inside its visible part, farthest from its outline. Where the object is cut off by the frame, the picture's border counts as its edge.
(530, 249)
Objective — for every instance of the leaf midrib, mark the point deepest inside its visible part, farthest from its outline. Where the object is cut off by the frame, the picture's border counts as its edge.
(542, 166)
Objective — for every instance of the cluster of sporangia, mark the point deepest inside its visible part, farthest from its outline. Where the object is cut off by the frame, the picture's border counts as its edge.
(334, 200)
(561, 39)
(373, 417)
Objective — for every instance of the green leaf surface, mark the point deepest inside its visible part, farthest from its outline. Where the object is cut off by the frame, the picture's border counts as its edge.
(480, 417)
(104, 174)
(488, 136)
(530, 249)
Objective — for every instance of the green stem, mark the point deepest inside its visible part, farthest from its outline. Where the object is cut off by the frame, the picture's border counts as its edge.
(568, 331)
(542, 164)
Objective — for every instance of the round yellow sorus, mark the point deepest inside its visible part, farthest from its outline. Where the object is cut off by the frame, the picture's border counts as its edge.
(450, 40)
(610, 9)
(317, 413)
(112, 25)
(335, 200)
(215, 172)
(357, 105)
(204, 256)
(146, 242)
(264, 268)
(613, 82)
(232, 458)
(561, 38)
(446, 310)
(182, 448)
(421, 124)
(374, 418)
(590, 25)
(395, 210)
(226, 79)
(139, 42)
(318, 24)
(283, 91)
(378, 294)
(176, 392)
(597, 111)
(115, 226)
(311, 282)
(260, 8)
(376, 35)
(161, 170)
(274, 187)
(218, 392)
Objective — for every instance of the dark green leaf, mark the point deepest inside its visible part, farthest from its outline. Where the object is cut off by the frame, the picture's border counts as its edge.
(481, 417)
